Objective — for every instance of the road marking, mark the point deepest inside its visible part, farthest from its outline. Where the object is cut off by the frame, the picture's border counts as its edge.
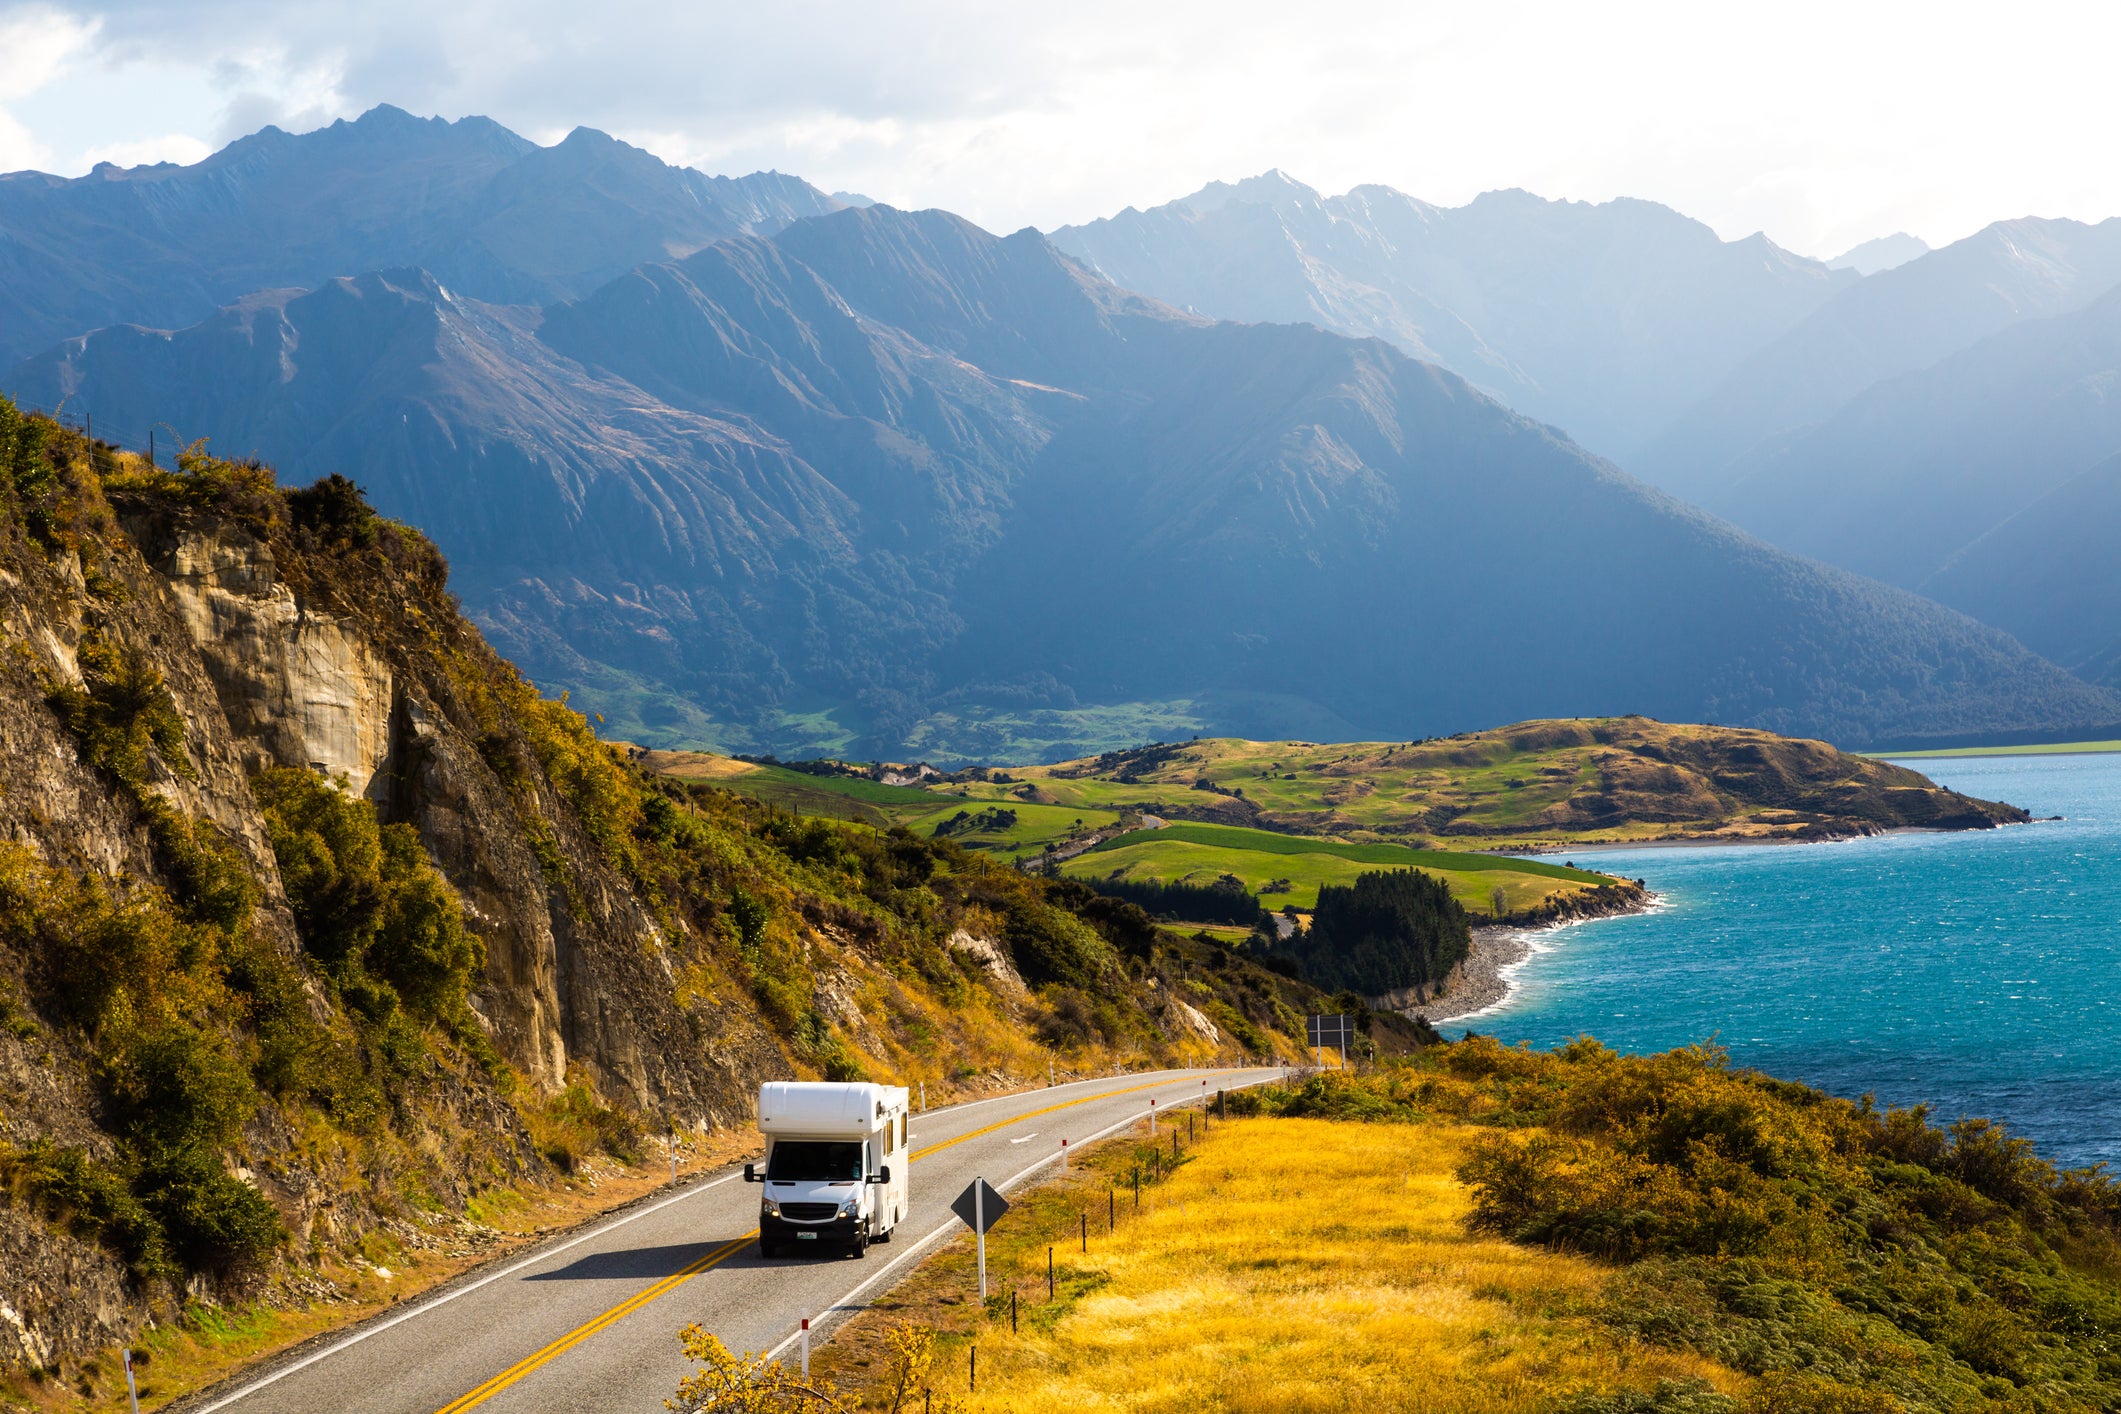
(1026, 1139)
(532, 1363)
(425, 1306)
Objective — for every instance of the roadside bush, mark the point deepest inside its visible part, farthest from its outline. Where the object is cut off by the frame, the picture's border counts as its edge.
(371, 907)
(85, 1197)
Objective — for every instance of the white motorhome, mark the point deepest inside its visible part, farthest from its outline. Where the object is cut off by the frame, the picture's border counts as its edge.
(837, 1170)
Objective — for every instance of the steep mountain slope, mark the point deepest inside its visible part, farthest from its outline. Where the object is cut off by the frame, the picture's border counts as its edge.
(490, 213)
(889, 481)
(1910, 475)
(316, 923)
(1606, 320)
(2050, 572)
(1896, 322)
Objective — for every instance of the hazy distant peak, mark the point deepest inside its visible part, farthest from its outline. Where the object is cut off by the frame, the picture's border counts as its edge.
(853, 198)
(1269, 188)
(1880, 253)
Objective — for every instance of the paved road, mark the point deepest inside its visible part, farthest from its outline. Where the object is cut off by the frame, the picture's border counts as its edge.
(590, 1323)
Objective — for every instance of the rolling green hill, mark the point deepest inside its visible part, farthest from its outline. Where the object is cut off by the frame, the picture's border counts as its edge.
(1285, 818)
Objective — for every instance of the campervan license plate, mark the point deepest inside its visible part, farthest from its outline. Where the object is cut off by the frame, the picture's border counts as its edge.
(806, 1237)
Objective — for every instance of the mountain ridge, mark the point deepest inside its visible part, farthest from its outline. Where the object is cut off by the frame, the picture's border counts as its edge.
(1474, 288)
(491, 212)
(882, 442)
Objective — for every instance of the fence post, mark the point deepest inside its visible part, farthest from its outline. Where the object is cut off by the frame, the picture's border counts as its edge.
(1012, 1310)
(1049, 1275)
(1112, 1210)
(975, 1370)
(1086, 1232)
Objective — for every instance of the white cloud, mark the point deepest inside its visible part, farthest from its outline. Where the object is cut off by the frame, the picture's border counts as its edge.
(1821, 122)
(35, 44)
(171, 147)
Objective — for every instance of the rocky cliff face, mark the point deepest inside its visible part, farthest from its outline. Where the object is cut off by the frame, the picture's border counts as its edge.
(315, 918)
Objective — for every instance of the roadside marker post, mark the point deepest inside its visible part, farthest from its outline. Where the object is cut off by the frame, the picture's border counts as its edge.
(1152, 1117)
(979, 1207)
(1064, 1156)
(806, 1348)
(132, 1390)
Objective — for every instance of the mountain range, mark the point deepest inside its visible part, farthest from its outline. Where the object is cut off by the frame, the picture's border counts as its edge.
(1609, 319)
(867, 480)
(492, 214)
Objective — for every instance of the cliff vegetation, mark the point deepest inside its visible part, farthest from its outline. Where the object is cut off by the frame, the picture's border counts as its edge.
(322, 933)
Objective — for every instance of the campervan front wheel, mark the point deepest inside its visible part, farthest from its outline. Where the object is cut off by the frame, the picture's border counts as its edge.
(861, 1241)
(766, 1249)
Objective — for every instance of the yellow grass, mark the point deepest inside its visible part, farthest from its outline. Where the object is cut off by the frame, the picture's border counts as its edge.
(1307, 1265)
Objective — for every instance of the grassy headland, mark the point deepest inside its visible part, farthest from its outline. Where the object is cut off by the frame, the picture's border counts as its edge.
(1283, 819)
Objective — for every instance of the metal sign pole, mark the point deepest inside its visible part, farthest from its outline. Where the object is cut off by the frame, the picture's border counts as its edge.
(979, 1224)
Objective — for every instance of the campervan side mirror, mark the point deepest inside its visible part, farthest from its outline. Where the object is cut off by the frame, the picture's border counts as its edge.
(750, 1174)
(882, 1175)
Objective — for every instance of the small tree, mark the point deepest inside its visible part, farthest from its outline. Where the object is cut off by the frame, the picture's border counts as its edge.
(1498, 901)
(743, 1384)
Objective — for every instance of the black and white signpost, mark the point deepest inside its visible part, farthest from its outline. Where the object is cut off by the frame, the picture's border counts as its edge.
(980, 1207)
(1327, 1032)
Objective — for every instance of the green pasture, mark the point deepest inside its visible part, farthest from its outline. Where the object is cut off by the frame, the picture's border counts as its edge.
(1237, 838)
(1169, 857)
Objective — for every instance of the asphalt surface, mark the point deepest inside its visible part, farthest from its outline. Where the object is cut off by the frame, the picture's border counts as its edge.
(590, 1322)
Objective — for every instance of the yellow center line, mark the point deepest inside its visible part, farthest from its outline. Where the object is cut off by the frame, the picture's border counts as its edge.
(529, 1364)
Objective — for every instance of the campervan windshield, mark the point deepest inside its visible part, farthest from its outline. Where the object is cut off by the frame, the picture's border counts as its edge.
(814, 1161)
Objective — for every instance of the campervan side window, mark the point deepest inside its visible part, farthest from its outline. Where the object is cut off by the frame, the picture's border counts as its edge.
(902, 1129)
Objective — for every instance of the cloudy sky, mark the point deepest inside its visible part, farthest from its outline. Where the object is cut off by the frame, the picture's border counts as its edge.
(1822, 124)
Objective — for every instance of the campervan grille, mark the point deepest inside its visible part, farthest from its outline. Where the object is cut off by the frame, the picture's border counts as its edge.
(810, 1212)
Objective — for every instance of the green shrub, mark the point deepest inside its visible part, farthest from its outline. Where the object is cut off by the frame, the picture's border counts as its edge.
(122, 714)
(370, 905)
(83, 1196)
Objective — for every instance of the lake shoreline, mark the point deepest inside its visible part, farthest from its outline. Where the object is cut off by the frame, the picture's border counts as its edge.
(1760, 841)
(1484, 980)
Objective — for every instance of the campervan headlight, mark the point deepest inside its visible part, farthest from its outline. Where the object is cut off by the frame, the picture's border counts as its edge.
(852, 1207)
(771, 1208)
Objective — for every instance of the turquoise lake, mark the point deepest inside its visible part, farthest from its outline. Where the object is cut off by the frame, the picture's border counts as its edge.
(1975, 972)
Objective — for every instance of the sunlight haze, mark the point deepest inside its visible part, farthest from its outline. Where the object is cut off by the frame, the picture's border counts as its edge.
(1823, 125)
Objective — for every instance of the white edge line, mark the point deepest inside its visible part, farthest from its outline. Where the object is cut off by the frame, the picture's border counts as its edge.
(423, 1307)
(949, 1228)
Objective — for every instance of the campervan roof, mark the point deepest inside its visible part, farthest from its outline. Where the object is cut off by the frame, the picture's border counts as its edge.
(819, 1107)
